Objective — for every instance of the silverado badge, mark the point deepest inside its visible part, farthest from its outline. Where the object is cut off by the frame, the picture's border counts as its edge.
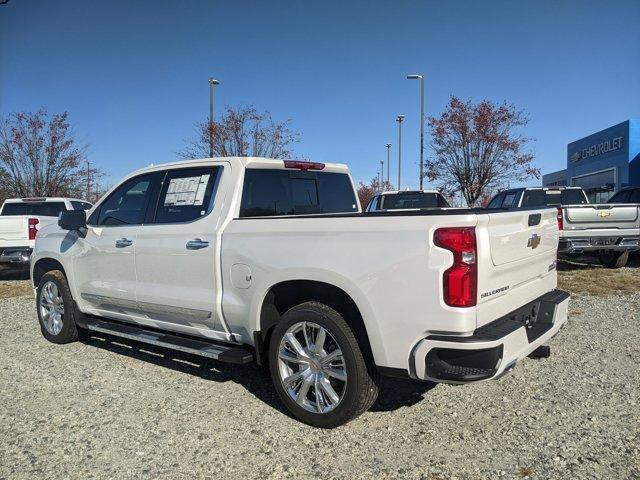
(534, 241)
(603, 214)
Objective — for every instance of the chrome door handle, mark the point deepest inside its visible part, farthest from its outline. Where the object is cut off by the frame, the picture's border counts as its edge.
(123, 242)
(197, 244)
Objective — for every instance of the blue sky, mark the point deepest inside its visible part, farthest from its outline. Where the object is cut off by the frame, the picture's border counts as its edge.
(133, 75)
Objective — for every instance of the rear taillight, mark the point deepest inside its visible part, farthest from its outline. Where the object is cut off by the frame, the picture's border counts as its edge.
(33, 228)
(560, 219)
(461, 279)
(304, 166)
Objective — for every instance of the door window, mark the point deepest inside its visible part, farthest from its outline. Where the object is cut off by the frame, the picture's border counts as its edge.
(496, 202)
(509, 200)
(187, 194)
(127, 205)
(635, 196)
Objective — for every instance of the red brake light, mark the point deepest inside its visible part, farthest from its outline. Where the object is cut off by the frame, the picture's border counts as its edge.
(304, 166)
(461, 279)
(560, 219)
(33, 228)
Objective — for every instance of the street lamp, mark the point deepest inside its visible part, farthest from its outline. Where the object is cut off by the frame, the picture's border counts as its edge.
(388, 161)
(421, 78)
(212, 83)
(399, 119)
(381, 175)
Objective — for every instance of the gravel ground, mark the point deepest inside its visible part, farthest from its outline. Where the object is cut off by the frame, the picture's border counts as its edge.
(101, 409)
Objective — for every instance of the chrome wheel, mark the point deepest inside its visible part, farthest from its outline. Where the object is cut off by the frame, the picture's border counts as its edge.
(312, 368)
(51, 308)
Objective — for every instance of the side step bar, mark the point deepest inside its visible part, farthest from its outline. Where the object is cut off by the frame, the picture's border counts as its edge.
(222, 353)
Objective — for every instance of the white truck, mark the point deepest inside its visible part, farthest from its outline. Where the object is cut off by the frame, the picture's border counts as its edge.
(243, 259)
(407, 200)
(609, 230)
(20, 220)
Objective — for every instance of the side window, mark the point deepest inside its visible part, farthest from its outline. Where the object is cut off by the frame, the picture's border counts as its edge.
(635, 196)
(509, 200)
(373, 204)
(187, 194)
(80, 205)
(127, 205)
(497, 201)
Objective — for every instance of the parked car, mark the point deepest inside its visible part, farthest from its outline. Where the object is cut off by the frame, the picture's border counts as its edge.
(20, 219)
(626, 195)
(242, 259)
(609, 230)
(407, 200)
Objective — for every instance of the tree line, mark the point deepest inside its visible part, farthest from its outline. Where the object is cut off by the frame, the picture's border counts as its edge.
(478, 149)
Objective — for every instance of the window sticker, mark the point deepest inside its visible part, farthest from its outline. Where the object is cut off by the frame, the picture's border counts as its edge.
(186, 191)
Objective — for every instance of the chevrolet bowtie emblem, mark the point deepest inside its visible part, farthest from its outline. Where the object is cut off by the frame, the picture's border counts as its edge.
(603, 214)
(534, 241)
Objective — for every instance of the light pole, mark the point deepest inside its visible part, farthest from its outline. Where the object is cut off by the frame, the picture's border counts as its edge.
(388, 161)
(212, 83)
(88, 181)
(381, 175)
(399, 119)
(421, 78)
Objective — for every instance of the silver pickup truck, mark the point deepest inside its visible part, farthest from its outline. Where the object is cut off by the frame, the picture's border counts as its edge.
(609, 230)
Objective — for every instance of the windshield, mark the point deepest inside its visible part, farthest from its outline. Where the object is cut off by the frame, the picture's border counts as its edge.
(545, 198)
(404, 200)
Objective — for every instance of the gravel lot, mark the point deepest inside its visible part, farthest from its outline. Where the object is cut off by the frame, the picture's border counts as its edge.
(101, 409)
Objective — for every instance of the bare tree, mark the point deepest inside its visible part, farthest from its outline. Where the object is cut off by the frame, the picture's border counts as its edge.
(478, 149)
(40, 157)
(242, 132)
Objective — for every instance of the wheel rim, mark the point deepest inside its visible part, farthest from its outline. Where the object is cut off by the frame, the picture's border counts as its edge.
(312, 367)
(51, 308)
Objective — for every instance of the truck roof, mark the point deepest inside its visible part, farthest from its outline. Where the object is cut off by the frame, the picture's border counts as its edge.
(394, 192)
(246, 162)
(43, 200)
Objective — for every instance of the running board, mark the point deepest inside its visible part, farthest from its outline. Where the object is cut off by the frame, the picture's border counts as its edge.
(222, 353)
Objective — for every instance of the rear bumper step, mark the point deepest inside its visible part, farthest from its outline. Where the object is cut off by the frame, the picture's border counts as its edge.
(222, 353)
(494, 348)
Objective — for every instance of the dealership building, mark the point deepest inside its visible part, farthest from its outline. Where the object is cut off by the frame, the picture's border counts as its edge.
(603, 162)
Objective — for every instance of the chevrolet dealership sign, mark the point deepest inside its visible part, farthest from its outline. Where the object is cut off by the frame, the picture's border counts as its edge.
(598, 149)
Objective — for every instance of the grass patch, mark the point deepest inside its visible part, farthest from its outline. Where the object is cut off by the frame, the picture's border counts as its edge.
(16, 288)
(599, 281)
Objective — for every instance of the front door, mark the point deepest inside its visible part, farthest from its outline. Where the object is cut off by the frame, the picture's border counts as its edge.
(176, 252)
(105, 270)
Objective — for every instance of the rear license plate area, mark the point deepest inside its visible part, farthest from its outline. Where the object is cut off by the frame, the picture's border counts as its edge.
(604, 241)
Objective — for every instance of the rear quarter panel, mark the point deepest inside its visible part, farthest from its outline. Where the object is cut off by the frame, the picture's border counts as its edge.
(387, 265)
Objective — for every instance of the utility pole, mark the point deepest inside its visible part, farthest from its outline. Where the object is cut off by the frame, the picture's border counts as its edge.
(399, 119)
(88, 182)
(388, 161)
(212, 83)
(382, 175)
(421, 78)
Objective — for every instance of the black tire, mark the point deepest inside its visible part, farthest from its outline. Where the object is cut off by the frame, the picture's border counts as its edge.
(361, 388)
(69, 331)
(611, 259)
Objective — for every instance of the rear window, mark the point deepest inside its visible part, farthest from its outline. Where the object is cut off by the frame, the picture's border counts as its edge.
(398, 201)
(40, 209)
(545, 198)
(285, 192)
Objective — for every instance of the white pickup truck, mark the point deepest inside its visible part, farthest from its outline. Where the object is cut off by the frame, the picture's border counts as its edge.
(243, 259)
(20, 220)
(609, 230)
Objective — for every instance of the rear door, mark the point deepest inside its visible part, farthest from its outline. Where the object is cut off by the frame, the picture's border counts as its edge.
(176, 258)
(517, 259)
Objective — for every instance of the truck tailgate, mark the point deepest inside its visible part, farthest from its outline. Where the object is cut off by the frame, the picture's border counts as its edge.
(517, 260)
(581, 217)
(14, 231)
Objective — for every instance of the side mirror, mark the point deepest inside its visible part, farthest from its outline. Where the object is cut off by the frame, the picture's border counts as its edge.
(72, 220)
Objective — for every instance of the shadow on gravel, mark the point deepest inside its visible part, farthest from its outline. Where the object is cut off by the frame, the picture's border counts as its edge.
(7, 274)
(585, 262)
(394, 393)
